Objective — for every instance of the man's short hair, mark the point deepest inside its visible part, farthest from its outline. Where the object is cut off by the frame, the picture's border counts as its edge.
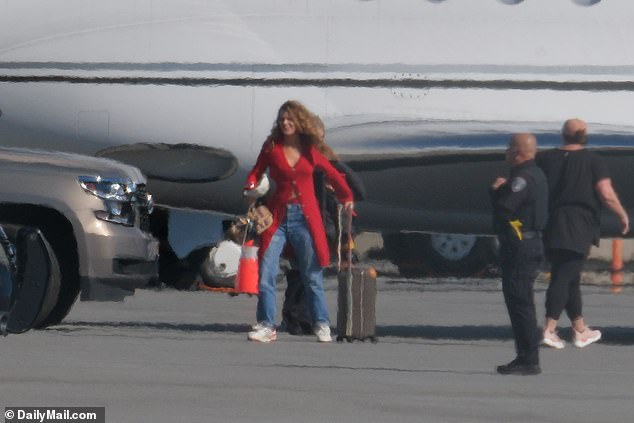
(574, 131)
(578, 137)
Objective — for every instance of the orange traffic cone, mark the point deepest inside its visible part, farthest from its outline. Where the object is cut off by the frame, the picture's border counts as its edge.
(247, 277)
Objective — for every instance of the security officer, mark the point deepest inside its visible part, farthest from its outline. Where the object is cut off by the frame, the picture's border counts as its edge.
(520, 212)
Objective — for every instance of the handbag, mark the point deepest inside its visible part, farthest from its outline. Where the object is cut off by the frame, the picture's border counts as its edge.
(261, 216)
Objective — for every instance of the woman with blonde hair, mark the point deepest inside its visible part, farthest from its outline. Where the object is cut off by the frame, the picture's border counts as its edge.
(296, 317)
(291, 153)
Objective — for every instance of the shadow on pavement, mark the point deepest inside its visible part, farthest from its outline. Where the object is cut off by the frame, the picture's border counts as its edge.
(612, 335)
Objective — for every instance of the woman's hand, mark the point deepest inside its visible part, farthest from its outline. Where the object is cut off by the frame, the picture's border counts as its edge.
(349, 207)
(498, 183)
(249, 186)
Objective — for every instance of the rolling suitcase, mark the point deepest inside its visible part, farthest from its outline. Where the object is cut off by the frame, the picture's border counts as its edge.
(356, 300)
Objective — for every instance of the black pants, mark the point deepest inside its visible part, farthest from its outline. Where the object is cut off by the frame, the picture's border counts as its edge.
(564, 290)
(295, 311)
(520, 261)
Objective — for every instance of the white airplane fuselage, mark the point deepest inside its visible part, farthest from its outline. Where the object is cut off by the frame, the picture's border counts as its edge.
(418, 96)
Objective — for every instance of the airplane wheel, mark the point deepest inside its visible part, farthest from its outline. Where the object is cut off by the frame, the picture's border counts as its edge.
(406, 251)
(218, 263)
(419, 254)
(460, 255)
(175, 272)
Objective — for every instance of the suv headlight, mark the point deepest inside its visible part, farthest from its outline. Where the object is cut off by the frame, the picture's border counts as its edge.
(119, 198)
(108, 188)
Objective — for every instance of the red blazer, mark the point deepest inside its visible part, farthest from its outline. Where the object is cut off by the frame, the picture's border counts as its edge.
(300, 178)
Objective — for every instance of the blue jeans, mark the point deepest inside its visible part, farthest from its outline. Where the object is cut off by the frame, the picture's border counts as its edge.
(294, 230)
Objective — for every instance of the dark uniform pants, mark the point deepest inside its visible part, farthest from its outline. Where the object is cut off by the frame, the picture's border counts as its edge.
(520, 261)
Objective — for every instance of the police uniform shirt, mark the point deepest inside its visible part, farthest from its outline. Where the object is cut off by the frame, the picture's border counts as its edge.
(575, 205)
(522, 197)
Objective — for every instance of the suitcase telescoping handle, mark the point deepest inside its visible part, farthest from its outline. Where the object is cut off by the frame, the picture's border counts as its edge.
(349, 228)
(348, 240)
(348, 286)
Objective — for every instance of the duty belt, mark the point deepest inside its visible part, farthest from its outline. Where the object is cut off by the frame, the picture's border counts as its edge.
(532, 235)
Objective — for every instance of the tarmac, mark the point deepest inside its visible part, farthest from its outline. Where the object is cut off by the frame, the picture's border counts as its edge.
(174, 356)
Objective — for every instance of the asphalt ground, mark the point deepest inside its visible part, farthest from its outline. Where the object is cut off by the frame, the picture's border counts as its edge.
(173, 356)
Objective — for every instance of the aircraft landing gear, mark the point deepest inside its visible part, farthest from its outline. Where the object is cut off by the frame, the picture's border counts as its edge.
(420, 254)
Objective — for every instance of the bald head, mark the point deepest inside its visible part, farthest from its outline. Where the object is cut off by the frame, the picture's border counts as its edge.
(575, 131)
(522, 147)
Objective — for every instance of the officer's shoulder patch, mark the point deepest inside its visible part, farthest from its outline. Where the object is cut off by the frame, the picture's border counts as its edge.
(518, 183)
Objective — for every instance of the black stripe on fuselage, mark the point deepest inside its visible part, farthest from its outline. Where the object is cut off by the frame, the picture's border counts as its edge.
(500, 84)
(416, 76)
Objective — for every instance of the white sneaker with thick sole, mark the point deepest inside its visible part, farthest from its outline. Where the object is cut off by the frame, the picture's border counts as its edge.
(585, 338)
(552, 340)
(263, 334)
(323, 333)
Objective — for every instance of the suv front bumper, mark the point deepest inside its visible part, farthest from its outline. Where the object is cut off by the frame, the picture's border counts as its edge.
(121, 260)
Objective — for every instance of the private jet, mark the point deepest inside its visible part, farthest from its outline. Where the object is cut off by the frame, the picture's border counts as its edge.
(419, 97)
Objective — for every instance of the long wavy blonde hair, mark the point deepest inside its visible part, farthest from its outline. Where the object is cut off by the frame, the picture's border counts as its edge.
(323, 147)
(309, 126)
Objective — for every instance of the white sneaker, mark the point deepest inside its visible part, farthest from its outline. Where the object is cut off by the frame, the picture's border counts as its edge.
(323, 333)
(553, 340)
(257, 326)
(263, 334)
(585, 338)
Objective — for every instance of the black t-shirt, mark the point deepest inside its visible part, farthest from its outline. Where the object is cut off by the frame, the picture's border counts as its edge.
(574, 205)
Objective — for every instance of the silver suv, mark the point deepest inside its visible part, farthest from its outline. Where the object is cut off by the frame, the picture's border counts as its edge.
(93, 212)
